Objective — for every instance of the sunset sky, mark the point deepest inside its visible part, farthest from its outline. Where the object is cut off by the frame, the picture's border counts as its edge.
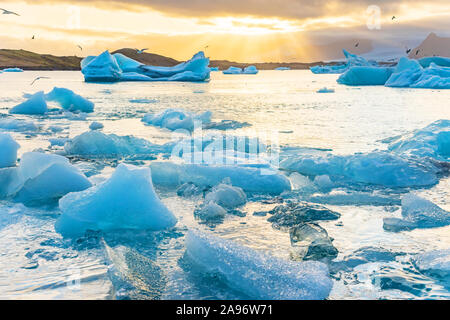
(240, 30)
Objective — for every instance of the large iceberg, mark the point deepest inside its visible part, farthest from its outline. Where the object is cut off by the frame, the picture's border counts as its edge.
(250, 179)
(8, 150)
(42, 178)
(365, 76)
(418, 213)
(432, 141)
(69, 100)
(127, 200)
(96, 144)
(439, 61)
(175, 119)
(352, 60)
(117, 67)
(375, 168)
(35, 104)
(258, 275)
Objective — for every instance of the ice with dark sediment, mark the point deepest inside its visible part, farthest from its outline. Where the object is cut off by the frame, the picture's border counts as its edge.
(417, 213)
(311, 242)
(257, 275)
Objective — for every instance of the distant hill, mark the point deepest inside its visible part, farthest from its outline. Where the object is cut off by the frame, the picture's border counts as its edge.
(433, 45)
(33, 61)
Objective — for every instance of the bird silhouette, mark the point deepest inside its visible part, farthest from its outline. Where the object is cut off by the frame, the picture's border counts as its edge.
(32, 38)
(38, 78)
(81, 48)
(9, 12)
(141, 51)
(394, 17)
(357, 45)
(417, 52)
(408, 51)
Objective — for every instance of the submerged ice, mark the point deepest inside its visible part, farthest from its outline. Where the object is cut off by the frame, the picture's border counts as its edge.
(258, 275)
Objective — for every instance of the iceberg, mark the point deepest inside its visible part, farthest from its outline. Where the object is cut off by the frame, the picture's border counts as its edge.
(432, 141)
(375, 168)
(96, 144)
(236, 70)
(8, 150)
(365, 76)
(69, 100)
(35, 105)
(352, 60)
(12, 70)
(417, 213)
(258, 275)
(127, 200)
(227, 196)
(96, 126)
(250, 70)
(176, 119)
(249, 179)
(439, 61)
(117, 67)
(44, 178)
(434, 263)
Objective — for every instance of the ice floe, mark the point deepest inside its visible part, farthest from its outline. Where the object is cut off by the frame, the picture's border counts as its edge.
(12, 70)
(236, 70)
(69, 100)
(325, 90)
(10, 124)
(96, 126)
(417, 213)
(127, 200)
(210, 211)
(255, 274)
(435, 263)
(227, 196)
(365, 76)
(8, 150)
(117, 67)
(35, 105)
(176, 119)
(311, 242)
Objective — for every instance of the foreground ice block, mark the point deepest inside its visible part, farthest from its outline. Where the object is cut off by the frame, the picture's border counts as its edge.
(418, 213)
(365, 76)
(8, 150)
(127, 200)
(248, 178)
(35, 105)
(43, 178)
(434, 263)
(117, 67)
(432, 141)
(375, 168)
(69, 100)
(176, 119)
(258, 275)
(98, 144)
(227, 196)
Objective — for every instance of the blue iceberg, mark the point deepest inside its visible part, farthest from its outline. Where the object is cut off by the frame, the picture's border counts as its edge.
(352, 60)
(17, 125)
(439, 61)
(365, 76)
(258, 275)
(12, 70)
(236, 70)
(127, 200)
(69, 100)
(8, 150)
(117, 67)
(35, 105)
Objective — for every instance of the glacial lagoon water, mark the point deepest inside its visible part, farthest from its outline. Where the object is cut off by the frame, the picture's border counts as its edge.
(37, 263)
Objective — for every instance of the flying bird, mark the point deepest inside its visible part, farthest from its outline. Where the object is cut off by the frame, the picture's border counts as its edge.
(81, 48)
(357, 45)
(141, 51)
(394, 17)
(38, 78)
(417, 52)
(32, 38)
(9, 12)
(408, 51)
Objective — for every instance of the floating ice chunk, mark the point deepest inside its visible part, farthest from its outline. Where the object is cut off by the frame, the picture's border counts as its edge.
(226, 125)
(43, 178)
(250, 70)
(432, 141)
(311, 242)
(324, 182)
(352, 60)
(376, 168)
(143, 100)
(35, 104)
(435, 263)
(365, 76)
(300, 182)
(17, 125)
(98, 144)
(325, 90)
(282, 68)
(439, 61)
(214, 69)
(418, 213)
(232, 70)
(69, 100)
(258, 275)
(125, 201)
(227, 196)
(8, 150)
(60, 142)
(7, 177)
(96, 126)
(354, 198)
(12, 70)
(248, 178)
(210, 211)
(176, 119)
(295, 214)
(434, 77)
(103, 68)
